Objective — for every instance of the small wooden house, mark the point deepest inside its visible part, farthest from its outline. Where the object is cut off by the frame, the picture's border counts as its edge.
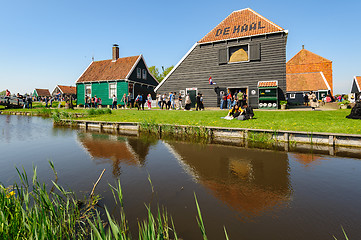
(307, 71)
(244, 49)
(356, 87)
(299, 84)
(41, 93)
(116, 76)
(61, 91)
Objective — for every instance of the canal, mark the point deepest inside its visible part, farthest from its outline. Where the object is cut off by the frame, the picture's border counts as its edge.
(254, 193)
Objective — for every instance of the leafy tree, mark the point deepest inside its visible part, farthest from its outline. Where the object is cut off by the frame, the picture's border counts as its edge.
(2, 93)
(155, 72)
(166, 71)
(160, 76)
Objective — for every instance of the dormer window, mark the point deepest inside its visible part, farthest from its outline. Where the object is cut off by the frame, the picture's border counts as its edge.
(139, 73)
(144, 74)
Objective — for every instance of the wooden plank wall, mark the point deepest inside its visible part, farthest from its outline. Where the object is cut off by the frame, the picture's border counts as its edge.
(202, 62)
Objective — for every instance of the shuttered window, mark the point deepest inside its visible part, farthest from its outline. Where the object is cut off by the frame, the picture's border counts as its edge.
(222, 56)
(255, 52)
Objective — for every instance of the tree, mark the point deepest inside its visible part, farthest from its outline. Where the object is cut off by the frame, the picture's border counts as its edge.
(160, 76)
(166, 71)
(2, 93)
(155, 72)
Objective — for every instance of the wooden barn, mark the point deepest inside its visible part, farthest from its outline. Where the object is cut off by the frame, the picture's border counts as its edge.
(38, 92)
(64, 91)
(307, 71)
(241, 51)
(356, 87)
(115, 77)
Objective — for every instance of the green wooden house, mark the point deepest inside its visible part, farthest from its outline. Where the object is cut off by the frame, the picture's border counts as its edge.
(116, 76)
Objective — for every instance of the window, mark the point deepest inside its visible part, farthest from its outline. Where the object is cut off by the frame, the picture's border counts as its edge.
(292, 95)
(112, 89)
(238, 54)
(88, 90)
(182, 92)
(139, 73)
(144, 74)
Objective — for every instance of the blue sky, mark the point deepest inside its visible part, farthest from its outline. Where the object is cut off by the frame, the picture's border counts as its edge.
(44, 43)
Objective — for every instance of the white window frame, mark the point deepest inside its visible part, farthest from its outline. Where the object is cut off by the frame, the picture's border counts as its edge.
(144, 75)
(228, 56)
(114, 88)
(139, 73)
(87, 86)
(292, 95)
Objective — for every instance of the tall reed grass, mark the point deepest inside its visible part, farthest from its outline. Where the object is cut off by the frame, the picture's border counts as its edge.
(31, 211)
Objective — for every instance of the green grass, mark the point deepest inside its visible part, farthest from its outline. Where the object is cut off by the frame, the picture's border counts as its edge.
(309, 121)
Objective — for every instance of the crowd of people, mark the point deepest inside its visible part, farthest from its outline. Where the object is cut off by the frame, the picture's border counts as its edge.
(228, 100)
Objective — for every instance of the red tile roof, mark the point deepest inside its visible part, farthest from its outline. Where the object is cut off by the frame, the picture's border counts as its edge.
(67, 89)
(42, 92)
(267, 84)
(241, 23)
(108, 70)
(303, 82)
(306, 57)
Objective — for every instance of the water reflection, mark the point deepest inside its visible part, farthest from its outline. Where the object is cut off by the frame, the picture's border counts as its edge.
(250, 181)
(114, 150)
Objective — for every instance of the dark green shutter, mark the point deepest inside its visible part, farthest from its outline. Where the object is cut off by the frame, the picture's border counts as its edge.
(222, 56)
(255, 52)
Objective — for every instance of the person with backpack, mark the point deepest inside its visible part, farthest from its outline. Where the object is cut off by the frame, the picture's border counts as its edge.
(139, 101)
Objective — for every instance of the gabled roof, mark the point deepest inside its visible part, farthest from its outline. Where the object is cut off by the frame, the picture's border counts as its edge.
(67, 89)
(302, 82)
(358, 82)
(306, 57)
(108, 70)
(42, 92)
(241, 23)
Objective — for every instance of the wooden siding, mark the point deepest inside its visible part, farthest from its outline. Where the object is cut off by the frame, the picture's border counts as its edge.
(150, 80)
(122, 87)
(354, 88)
(202, 62)
(80, 94)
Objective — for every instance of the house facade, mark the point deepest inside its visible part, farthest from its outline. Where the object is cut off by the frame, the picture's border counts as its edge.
(356, 87)
(307, 71)
(61, 91)
(244, 49)
(38, 92)
(116, 76)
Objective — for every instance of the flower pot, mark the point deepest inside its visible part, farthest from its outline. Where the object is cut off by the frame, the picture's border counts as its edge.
(343, 106)
(283, 107)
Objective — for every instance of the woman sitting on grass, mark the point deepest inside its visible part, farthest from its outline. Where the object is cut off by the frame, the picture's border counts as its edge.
(234, 113)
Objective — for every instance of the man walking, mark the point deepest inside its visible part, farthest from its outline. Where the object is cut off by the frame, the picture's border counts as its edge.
(115, 101)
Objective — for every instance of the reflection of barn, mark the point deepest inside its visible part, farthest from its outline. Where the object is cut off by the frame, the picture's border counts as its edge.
(115, 150)
(307, 71)
(243, 178)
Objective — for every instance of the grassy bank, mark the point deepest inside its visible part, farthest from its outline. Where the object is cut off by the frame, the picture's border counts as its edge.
(31, 211)
(309, 121)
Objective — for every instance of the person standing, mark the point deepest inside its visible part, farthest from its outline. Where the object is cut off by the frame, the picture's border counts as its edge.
(124, 100)
(201, 102)
(95, 101)
(129, 100)
(7, 94)
(313, 100)
(159, 100)
(198, 102)
(305, 99)
(180, 101)
(229, 100)
(138, 101)
(149, 101)
(164, 100)
(115, 102)
(188, 103)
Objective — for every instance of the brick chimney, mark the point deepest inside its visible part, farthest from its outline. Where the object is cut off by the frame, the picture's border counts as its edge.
(115, 52)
